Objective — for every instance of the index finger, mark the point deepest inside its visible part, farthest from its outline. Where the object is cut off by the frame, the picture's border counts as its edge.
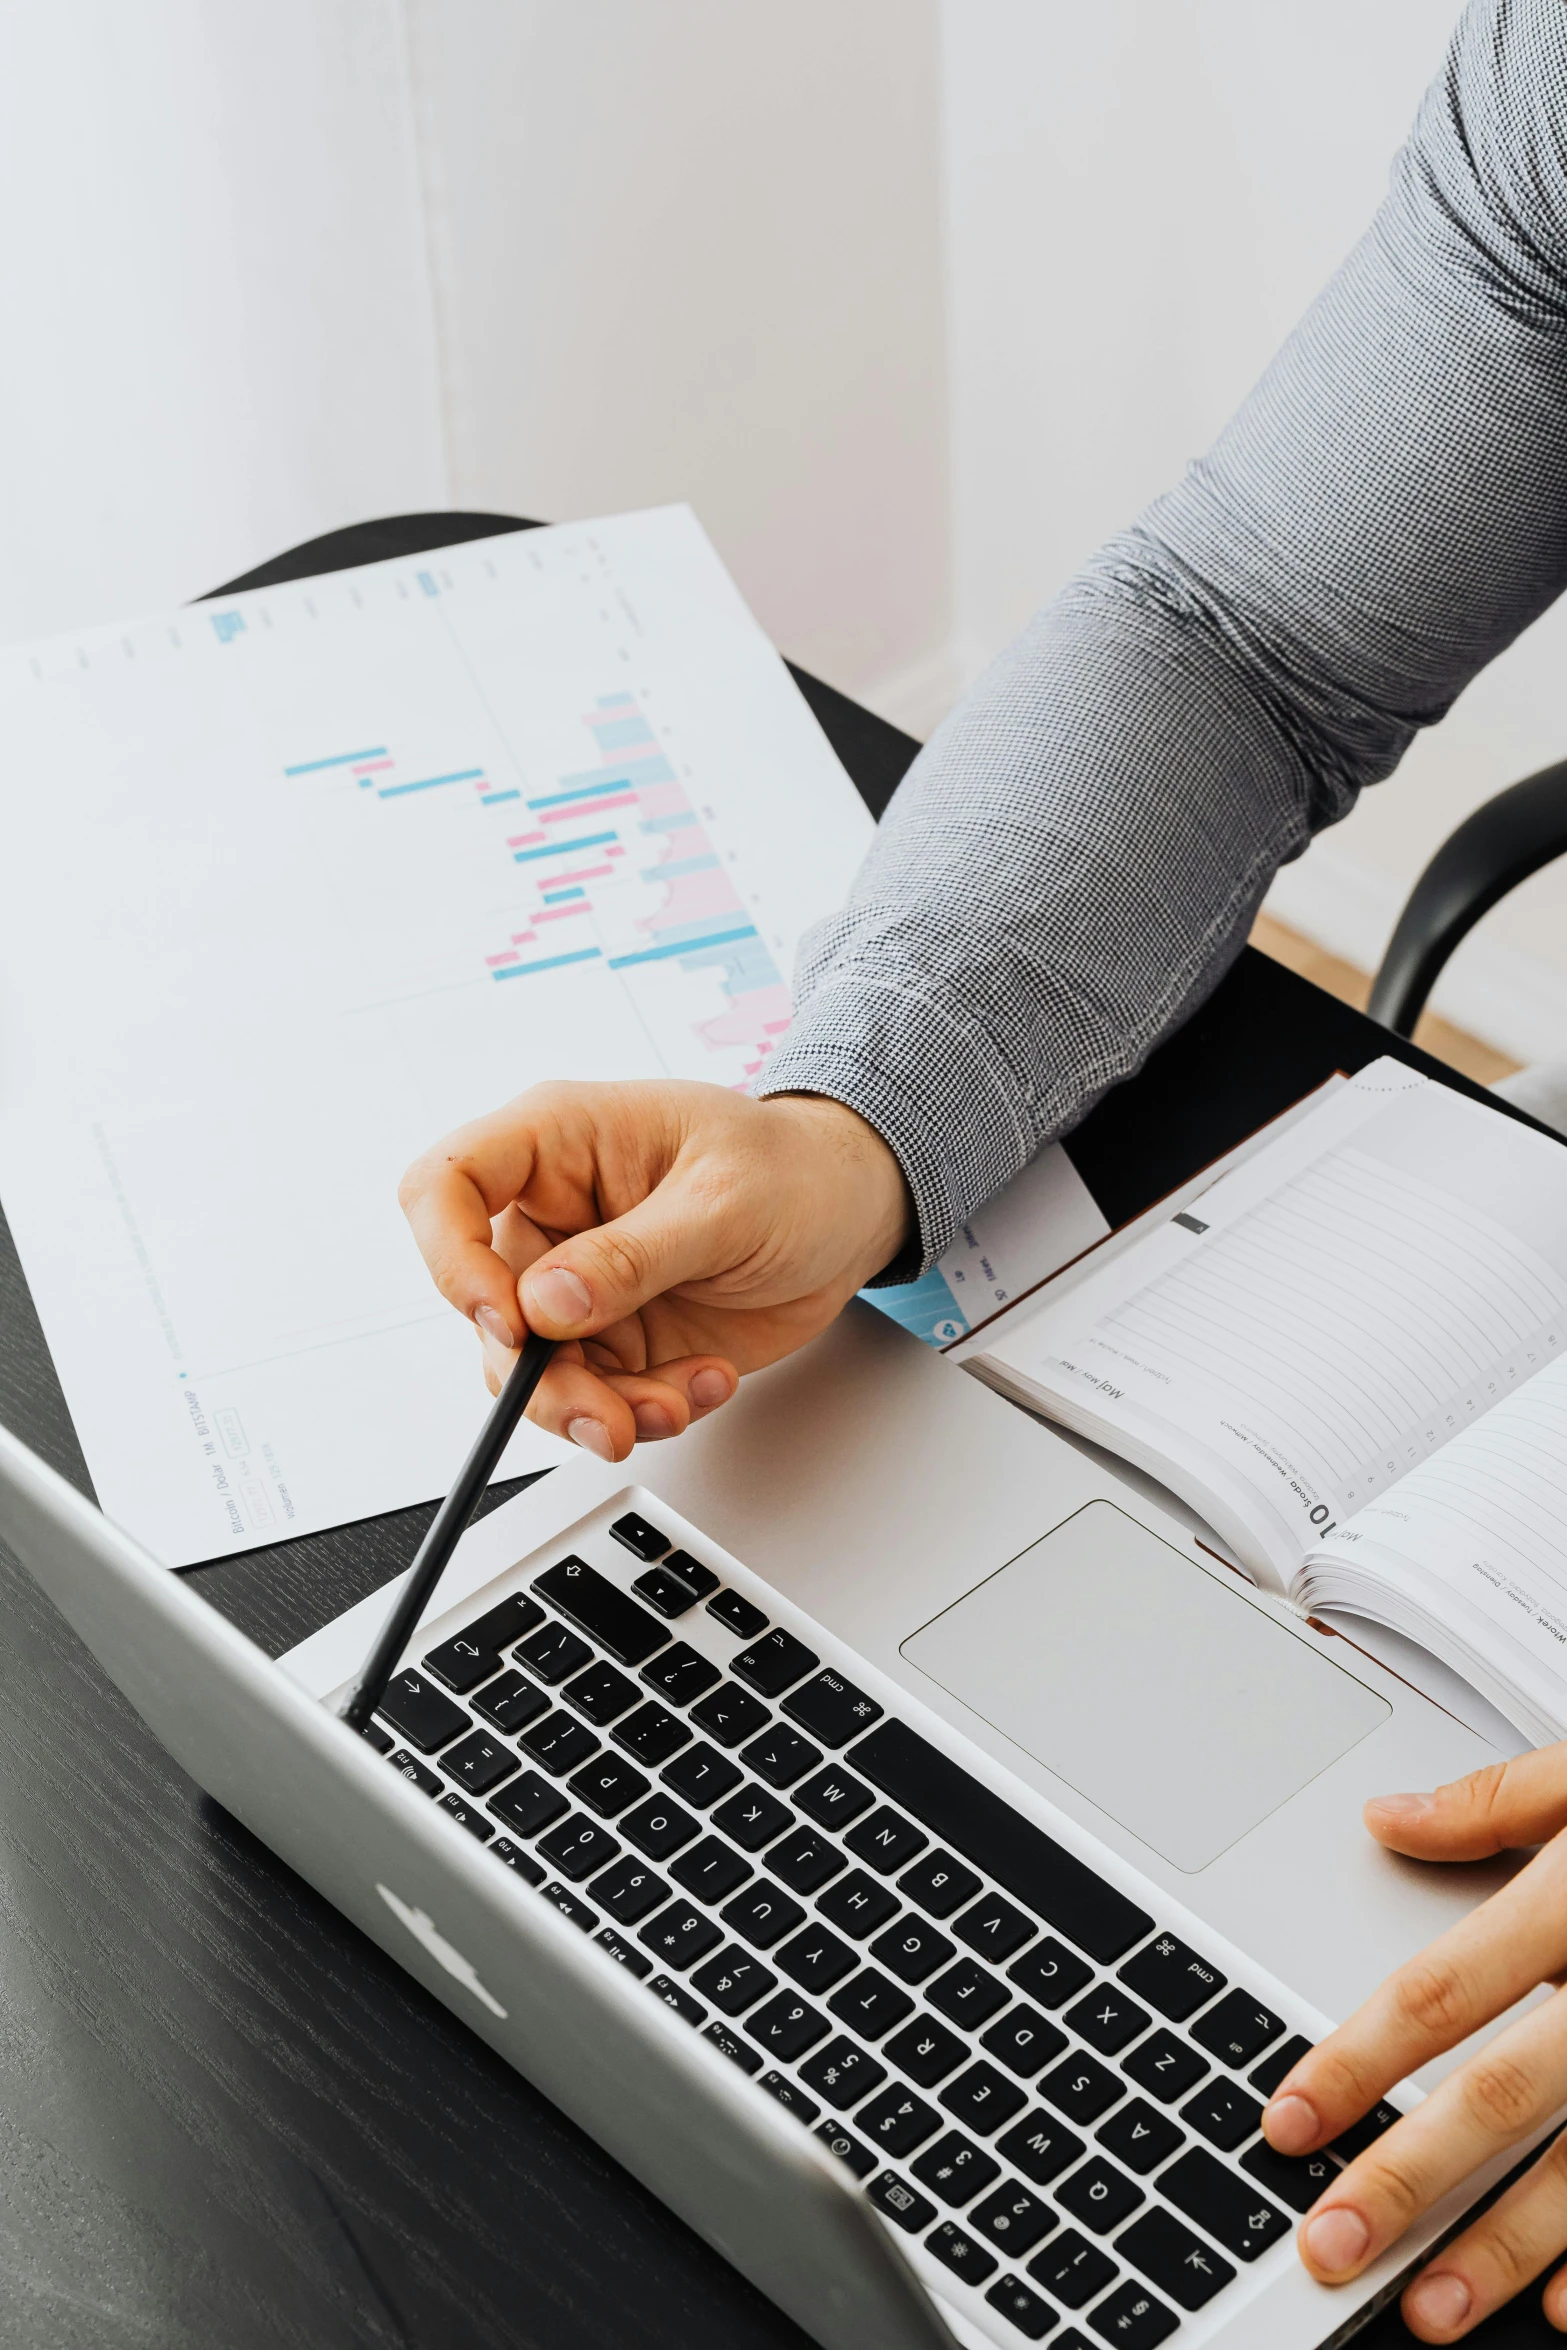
(451, 1195)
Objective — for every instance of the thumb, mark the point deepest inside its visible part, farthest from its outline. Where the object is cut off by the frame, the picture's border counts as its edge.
(1508, 1804)
(600, 1276)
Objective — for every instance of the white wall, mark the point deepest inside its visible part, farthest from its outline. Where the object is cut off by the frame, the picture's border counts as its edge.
(1141, 198)
(685, 249)
(213, 292)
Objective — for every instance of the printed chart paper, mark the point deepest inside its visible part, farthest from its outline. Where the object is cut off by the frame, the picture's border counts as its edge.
(294, 884)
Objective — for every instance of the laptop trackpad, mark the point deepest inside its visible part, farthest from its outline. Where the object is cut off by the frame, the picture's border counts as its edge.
(1166, 1698)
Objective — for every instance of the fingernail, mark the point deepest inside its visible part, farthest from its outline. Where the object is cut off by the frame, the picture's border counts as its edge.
(709, 1388)
(1337, 2239)
(493, 1326)
(557, 1295)
(1291, 2124)
(1441, 2300)
(593, 1437)
(1404, 1808)
(653, 1421)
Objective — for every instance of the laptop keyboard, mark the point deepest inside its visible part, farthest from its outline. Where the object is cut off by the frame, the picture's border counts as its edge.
(1049, 2095)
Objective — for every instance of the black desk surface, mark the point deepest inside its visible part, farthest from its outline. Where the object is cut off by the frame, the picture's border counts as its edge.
(225, 2118)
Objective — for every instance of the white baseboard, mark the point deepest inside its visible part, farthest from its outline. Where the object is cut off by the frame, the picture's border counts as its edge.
(1513, 1001)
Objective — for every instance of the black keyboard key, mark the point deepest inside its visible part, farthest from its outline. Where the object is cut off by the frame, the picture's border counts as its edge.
(1050, 1973)
(781, 1756)
(753, 1818)
(515, 1858)
(1107, 2019)
(696, 1578)
(1132, 2320)
(711, 1870)
(1223, 2114)
(652, 1734)
(381, 1740)
(578, 1847)
(734, 1980)
(679, 1935)
(554, 1654)
(870, 2004)
(938, 1884)
(1099, 2195)
(529, 1805)
(1237, 2029)
(816, 1959)
(983, 2098)
(897, 2121)
(761, 1914)
(788, 2094)
(1073, 2269)
(466, 1817)
(1296, 2179)
(786, 2027)
(805, 1860)
(993, 1927)
(702, 1775)
(680, 1675)
(831, 1708)
(659, 1827)
(1281, 2062)
(510, 1619)
(1040, 2147)
(669, 1594)
(900, 2202)
(560, 1742)
(837, 2140)
(926, 2051)
(1081, 2088)
(1165, 2066)
(623, 1954)
(1140, 2137)
(843, 2073)
(418, 1774)
(1023, 2040)
(639, 1537)
(1230, 2209)
(1172, 1978)
(421, 1713)
(569, 1906)
(690, 2011)
(1013, 2218)
(736, 2050)
(885, 1841)
(629, 1890)
(589, 1600)
(461, 1664)
(858, 1904)
(774, 1663)
(833, 1798)
(741, 1615)
(1032, 2317)
(730, 1715)
(511, 1703)
(961, 2254)
(967, 1994)
(956, 2169)
(912, 1949)
(1048, 1880)
(1178, 2262)
(1366, 2131)
(606, 1785)
(601, 1694)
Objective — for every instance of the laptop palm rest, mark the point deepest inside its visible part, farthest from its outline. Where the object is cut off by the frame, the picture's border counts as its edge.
(1166, 1698)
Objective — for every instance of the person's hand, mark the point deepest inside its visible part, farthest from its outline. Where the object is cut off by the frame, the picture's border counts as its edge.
(677, 1234)
(1475, 1971)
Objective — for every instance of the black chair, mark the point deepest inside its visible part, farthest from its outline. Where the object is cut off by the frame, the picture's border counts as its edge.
(1493, 850)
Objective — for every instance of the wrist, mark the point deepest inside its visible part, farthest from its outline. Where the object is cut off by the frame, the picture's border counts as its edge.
(862, 1167)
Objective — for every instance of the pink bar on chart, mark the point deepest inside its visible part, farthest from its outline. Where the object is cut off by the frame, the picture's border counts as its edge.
(753, 1017)
(523, 938)
(583, 873)
(692, 897)
(581, 815)
(618, 850)
(774, 1027)
(373, 766)
(522, 840)
(562, 913)
(508, 957)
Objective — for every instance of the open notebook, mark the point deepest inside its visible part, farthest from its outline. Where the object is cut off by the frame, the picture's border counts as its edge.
(1350, 1356)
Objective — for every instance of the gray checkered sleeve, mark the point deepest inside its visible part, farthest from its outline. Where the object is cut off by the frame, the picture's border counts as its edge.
(1076, 857)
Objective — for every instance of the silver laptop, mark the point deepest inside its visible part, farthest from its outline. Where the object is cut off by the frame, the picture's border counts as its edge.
(888, 1831)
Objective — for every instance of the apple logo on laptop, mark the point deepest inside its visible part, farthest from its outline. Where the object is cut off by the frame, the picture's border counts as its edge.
(424, 1929)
